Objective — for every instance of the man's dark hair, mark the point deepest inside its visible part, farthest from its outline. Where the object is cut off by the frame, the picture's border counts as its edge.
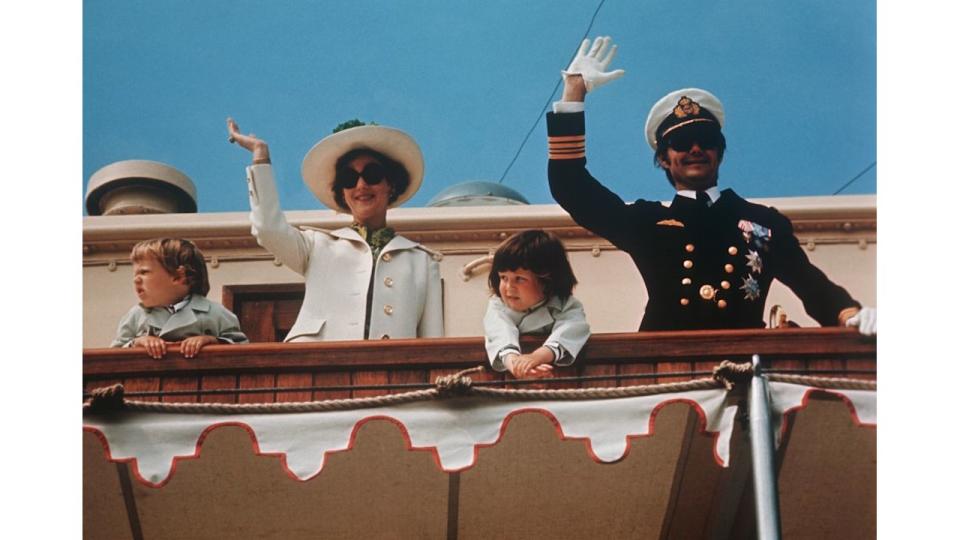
(539, 252)
(397, 175)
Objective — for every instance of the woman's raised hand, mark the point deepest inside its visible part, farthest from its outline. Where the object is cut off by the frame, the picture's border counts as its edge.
(259, 148)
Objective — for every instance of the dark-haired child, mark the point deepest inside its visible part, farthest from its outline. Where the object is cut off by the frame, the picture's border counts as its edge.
(170, 279)
(532, 284)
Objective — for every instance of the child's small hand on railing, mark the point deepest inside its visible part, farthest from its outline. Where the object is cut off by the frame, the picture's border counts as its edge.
(526, 366)
(191, 346)
(155, 346)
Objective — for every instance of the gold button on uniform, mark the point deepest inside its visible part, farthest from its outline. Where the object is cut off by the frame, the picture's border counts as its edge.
(707, 292)
(388, 281)
(721, 304)
(728, 268)
(388, 309)
(732, 250)
(386, 257)
(689, 248)
(688, 263)
(725, 284)
(684, 301)
(686, 281)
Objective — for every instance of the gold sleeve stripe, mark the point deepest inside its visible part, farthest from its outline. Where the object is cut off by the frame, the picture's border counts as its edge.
(567, 145)
(566, 138)
(578, 155)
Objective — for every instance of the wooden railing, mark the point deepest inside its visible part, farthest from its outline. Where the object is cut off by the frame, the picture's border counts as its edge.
(269, 372)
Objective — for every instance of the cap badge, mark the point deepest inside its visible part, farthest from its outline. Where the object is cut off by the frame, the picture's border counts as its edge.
(686, 107)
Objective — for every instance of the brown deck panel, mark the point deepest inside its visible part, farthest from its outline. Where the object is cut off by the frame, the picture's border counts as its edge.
(177, 384)
(218, 382)
(266, 380)
(599, 369)
(674, 367)
(334, 378)
(362, 378)
(298, 379)
(142, 384)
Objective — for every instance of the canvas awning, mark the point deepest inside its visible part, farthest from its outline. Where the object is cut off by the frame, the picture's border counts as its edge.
(655, 466)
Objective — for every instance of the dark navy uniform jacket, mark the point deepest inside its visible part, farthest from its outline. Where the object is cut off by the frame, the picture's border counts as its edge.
(704, 267)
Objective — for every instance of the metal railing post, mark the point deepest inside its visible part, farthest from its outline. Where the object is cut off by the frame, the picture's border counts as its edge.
(767, 501)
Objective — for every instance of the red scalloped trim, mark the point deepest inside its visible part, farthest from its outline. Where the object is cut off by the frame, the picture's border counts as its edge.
(702, 429)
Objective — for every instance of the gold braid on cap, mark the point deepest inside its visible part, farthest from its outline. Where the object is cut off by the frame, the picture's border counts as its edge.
(686, 106)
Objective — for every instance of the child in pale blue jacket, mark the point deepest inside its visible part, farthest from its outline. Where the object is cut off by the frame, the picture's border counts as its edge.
(170, 279)
(532, 284)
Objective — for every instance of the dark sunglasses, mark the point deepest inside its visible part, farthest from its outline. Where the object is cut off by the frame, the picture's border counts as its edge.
(373, 174)
(684, 141)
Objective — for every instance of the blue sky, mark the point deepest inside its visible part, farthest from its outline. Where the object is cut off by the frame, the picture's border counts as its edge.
(468, 79)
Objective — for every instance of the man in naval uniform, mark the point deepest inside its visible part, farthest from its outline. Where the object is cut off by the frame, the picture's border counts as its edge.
(708, 258)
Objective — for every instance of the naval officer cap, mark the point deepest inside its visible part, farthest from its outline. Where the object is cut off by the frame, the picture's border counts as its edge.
(681, 108)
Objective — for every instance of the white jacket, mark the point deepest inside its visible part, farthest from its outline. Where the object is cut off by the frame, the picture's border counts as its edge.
(336, 266)
(564, 321)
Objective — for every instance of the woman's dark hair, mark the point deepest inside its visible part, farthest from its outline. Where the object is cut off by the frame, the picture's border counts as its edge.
(661, 154)
(539, 252)
(397, 175)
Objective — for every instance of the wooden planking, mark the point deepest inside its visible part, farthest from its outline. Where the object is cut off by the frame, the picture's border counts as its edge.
(643, 368)
(789, 363)
(468, 352)
(599, 369)
(826, 364)
(218, 382)
(406, 376)
(258, 321)
(665, 368)
(257, 380)
(142, 384)
(176, 384)
(370, 377)
(706, 366)
(860, 363)
(332, 378)
(297, 379)
(330, 363)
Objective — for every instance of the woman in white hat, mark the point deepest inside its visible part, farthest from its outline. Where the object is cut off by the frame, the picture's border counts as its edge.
(362, 281)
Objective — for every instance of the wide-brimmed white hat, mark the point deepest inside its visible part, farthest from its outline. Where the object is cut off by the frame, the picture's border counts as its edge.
(681, 108)
(319, 164)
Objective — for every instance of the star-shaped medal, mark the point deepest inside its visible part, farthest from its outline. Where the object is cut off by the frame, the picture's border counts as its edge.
(754, 262)
(750, 288)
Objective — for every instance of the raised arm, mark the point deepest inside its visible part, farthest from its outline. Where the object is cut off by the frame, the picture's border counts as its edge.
(257, 147)
(268, 224)
(591, 205)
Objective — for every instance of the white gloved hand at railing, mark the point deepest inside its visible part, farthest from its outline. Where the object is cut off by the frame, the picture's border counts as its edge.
(865, 320)
(590, 63)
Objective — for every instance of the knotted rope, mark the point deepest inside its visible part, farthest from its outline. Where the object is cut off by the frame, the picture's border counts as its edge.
(106, 398)
(727, 374)
(456, 384)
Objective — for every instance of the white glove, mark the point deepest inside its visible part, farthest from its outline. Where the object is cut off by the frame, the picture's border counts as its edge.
(865, 320)
(590, 63)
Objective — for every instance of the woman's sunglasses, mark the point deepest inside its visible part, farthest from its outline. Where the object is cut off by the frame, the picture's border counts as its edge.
(684, 140)
(373, 174)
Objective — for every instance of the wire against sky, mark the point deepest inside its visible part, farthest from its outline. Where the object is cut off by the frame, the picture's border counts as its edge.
(852, 180)
(550, 97)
